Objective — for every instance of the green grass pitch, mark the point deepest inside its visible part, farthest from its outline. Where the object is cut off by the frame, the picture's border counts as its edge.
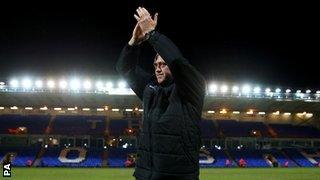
(125, 174)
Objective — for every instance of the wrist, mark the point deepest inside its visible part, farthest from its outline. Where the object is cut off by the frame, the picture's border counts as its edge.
(133, 42)
(150, 33)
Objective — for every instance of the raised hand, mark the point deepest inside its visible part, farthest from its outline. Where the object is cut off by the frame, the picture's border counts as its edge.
(137, 36)
(144, 25)
(145, 22)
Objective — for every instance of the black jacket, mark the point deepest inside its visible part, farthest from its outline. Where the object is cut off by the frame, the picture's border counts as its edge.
(170, 137)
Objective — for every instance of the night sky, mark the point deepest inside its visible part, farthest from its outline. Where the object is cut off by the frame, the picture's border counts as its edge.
(267, 44)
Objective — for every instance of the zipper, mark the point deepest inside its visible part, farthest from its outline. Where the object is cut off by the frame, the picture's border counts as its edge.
(155, 100)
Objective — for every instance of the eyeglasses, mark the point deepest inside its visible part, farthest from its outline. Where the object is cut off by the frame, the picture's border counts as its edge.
(159, 64)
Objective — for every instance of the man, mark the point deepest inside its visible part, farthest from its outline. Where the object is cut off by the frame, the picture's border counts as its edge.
(170, 138)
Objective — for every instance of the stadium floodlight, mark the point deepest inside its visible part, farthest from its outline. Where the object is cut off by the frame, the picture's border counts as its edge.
(268, 90)
(250, 111)
(14, 83)
(63, 84)
(308, 91)
(99, 86)
(309, 115)
(223, 111)
(246, 89)
(75, 84)
(51, 84)
(213, 88)
(14, 108)
(276, 113)
(44, 108)
(235, 89)
(38, 84)
(224, 88)
(257, 90)
(278, 90)
(121, 84)
(109, 85)
(288, 91)
(87, 85)
(26, 83)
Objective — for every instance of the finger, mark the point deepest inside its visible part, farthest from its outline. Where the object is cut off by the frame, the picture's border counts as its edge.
(139, 12)
(144, 14)
(155, 18)
(137, 17)
(145, 11)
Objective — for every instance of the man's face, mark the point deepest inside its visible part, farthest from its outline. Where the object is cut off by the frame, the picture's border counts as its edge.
(161, 69)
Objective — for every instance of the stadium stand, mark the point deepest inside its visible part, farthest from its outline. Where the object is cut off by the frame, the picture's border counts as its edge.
(35, 124)
(207, 129)
(79, 125)
(117, 127)
(118, 156)
(292, 131)
(54, 155)
(232, 128)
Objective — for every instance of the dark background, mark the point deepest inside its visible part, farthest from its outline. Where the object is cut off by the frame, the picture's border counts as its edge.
(266, 43)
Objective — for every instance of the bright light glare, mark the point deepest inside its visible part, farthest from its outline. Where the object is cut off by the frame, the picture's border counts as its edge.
(63, 84)
(122, 84)
(14, 83)
(109, 85)
(224, 88)
(75, 84)
(87, 85)
(246, 89)
(99, 85)
(26, 83)
(268, 90)
(51, 84)
(257, 90)
(235, 89)
(213, 88)
(39, 84)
